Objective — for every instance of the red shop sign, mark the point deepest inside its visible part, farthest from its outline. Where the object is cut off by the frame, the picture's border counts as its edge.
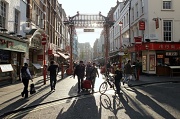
(141, 25)
(49, 52)
(162, 46)
(39, 57)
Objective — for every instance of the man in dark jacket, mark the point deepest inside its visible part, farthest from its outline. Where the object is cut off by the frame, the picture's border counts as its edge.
(80, 72)
(25, 76)
(127, 71)
(53, 69)
(94, 74)
(118, 77)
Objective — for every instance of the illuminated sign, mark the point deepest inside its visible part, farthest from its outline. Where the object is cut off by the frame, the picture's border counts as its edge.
(88, 30)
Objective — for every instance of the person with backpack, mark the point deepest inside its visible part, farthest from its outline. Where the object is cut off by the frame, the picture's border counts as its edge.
(53, 69)
(25, 77)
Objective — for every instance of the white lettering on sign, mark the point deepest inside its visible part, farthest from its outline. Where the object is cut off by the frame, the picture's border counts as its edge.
(161, 46)
(171, 53)
(172, 47)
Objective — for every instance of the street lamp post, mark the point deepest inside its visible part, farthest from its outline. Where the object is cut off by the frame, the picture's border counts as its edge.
(70, 24)
(120, 37)
(107, 24)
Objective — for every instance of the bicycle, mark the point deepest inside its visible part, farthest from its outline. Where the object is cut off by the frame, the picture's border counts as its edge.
(109, 81)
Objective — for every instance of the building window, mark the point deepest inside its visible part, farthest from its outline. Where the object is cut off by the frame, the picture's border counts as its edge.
(137, 13)
(16, 21)
(132, 14)
(2, 14)
(167, 4)
(167, 30)
(142, 6)
(127, 18)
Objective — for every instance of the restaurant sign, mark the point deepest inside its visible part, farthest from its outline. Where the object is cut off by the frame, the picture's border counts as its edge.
(161, 46)
(9, 44)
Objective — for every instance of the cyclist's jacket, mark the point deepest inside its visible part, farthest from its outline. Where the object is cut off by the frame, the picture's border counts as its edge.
(118, 75)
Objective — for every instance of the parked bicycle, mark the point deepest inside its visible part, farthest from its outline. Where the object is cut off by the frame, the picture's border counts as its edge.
(109, 80)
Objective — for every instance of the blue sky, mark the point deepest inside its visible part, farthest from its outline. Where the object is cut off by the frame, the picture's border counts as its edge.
(87, 7)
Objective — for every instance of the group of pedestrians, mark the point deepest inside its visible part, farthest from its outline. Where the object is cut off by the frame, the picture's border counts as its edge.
(131, 70)
(85, 72)
(26, 76)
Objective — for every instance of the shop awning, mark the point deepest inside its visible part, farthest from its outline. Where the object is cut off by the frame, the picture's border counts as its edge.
(121, 53)
(63, 55)
(56, 55)
(37, 66)
(6, 67)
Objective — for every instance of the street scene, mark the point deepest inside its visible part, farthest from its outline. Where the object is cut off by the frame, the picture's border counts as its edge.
(151, 97)
(96, 59)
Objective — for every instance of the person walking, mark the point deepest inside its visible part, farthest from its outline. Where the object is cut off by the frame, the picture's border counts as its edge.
(127, 71)
(80, 72)
(118, 77)
(94, 74)
(25, 77)
(88, 70)
(53, 69)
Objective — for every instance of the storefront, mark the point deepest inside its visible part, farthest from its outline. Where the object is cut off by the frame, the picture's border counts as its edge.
(159, 57)
(12, 56)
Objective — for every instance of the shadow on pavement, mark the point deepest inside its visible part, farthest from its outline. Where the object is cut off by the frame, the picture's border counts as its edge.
(81, 108)
(132, 109)
(144, 99)
(113, 104)
(20, 104)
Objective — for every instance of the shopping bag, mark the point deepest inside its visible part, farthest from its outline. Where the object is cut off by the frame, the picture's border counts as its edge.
(86, 84)
(32, 89)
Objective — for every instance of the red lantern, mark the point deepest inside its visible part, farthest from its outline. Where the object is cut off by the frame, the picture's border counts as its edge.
(43, 41)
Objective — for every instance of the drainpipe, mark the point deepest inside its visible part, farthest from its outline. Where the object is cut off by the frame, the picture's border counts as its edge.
(130, 21)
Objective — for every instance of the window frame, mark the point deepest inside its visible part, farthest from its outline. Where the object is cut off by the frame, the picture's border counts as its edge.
(165, 5)
(16, 21)
(3, 10)
(167, 30)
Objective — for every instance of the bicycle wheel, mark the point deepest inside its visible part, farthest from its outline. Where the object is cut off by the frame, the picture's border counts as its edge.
(103, 87)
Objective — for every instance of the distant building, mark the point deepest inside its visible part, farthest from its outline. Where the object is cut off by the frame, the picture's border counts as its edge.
(85, 52)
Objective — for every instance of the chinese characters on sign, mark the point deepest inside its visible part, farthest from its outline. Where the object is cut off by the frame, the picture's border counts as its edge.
(170, 47)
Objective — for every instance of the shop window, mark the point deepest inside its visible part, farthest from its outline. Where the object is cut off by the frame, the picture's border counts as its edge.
(4, 57)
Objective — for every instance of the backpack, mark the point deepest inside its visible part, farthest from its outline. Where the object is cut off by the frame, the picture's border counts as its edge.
(24, 74)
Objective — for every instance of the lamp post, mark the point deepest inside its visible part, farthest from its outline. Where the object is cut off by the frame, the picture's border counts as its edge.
(120, 37)
(43, 41)
(70, 24)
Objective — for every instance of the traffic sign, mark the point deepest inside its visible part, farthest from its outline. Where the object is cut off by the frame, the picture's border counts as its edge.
(43, 41)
